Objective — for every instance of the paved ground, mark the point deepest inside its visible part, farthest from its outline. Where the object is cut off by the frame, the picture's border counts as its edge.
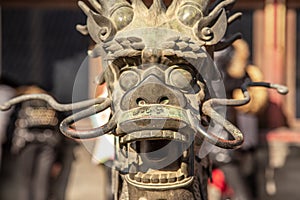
(86, 179)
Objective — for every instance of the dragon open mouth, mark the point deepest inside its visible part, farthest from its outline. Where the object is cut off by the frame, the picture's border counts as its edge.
(161, 136)
(161, 169)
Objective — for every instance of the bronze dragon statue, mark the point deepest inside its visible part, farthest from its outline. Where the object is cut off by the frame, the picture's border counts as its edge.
(166, 95)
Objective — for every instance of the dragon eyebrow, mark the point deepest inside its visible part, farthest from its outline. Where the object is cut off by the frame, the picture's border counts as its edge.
(122, 62)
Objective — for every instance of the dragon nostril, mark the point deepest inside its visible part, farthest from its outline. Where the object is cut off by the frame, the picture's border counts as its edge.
(164, 100)
(141, 102)
(148, 93)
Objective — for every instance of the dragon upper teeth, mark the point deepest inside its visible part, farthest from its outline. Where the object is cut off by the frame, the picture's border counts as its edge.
(154, 134)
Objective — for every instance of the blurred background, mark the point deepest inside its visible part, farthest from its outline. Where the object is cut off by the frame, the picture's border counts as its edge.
(40, 46)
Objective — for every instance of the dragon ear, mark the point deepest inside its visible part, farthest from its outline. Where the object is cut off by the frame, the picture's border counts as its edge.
(99, 27)
(105, 18)
(212, 28)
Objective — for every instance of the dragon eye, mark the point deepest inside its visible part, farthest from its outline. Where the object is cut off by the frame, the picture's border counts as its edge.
(181, 79)
(129, 79)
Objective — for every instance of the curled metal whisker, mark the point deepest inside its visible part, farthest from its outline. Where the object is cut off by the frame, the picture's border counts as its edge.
(216, 117)
(52, 102)
(71, 132)
(281, 89)
(220, 142)
(208, 110)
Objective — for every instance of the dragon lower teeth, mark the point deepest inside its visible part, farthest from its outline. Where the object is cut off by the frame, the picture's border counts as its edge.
(159, 177)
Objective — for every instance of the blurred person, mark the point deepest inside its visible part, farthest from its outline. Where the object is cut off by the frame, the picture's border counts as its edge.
(234, 173)
(35, 137)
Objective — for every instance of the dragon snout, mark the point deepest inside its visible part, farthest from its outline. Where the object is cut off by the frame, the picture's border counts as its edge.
(152, 91)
